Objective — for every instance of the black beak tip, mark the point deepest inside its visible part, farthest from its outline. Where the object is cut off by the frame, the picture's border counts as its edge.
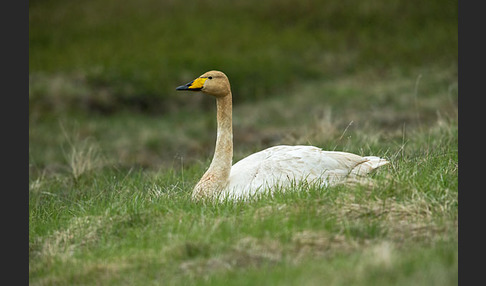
(182, 87)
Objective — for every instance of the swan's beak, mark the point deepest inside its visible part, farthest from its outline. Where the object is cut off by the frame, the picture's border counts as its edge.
(196, 84)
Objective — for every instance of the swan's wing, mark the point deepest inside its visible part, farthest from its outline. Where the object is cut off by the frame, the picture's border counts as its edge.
(282, 165)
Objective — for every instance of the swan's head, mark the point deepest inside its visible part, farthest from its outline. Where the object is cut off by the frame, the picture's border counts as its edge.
(215, 83)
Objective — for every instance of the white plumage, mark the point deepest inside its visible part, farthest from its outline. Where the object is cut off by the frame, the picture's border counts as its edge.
(281, 166)
(273, 168)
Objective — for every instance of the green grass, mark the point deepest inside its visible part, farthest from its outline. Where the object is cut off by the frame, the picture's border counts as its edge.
(114, 227)
(141, 228)
(114, 151)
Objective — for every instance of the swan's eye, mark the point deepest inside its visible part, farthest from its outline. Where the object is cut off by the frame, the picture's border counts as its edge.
(210, 77)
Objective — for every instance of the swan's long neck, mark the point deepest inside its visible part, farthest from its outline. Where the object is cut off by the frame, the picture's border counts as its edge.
(223, 153)
(216, 177)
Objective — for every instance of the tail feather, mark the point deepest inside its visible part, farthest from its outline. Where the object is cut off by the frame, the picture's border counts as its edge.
(371, 163)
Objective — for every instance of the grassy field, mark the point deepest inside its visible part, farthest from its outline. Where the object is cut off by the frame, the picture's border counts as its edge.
(114, 151)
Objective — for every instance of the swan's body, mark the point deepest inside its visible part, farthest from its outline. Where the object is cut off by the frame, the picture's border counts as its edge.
(282, 166)
(275, 167)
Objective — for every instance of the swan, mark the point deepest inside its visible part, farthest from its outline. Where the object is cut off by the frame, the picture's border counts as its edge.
(273, 168)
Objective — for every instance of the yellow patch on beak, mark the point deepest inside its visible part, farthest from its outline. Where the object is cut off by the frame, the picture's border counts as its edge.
(198, 83)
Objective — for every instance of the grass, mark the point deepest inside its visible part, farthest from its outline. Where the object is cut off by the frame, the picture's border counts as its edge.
(139, 228)
(114, 151)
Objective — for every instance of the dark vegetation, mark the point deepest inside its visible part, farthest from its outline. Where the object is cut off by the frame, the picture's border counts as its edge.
(107, 56)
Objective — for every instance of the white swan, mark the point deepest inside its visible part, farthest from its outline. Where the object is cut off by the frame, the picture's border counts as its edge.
(275, 167)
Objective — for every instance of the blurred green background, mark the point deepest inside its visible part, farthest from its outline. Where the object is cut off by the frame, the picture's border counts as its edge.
(107, 56)
(106, 72)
